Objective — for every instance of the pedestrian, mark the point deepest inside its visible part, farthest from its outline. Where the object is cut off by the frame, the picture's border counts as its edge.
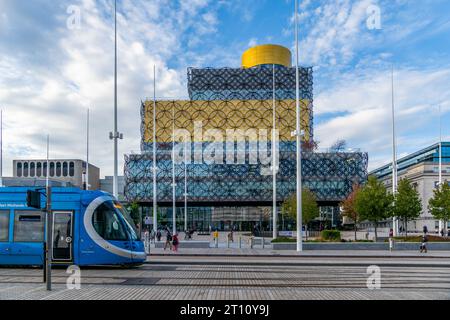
(230, 236)
(442, 232)
(158, 235)
(423, 247)
(425, 229)
(175, 242)
(152, 236)
(168, 240)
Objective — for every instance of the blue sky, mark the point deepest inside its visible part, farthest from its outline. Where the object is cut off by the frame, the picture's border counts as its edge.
(50, 73)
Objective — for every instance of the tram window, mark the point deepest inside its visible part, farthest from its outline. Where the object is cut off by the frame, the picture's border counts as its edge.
(72, 169)
(39, 169)
(19, 169)
(28, 226)
(108, 223)
(4, 226)
(58, 169)
(65, 169)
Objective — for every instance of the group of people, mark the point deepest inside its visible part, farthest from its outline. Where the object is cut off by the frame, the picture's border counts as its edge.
(171, 240)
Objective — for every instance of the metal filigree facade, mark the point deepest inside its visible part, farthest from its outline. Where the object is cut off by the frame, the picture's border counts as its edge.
(222, 116)
(329, 175)
(237, 99)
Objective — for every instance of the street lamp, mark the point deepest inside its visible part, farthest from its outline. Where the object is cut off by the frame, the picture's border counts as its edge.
(115, 135)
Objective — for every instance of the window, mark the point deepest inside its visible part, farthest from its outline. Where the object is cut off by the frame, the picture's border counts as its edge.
(32, 169)
(65, 169)
(52, 169)
(19, 169)
(72, 169)
(4, 226)
(58, 169)
(25, 169)
(39, 169)
(28, 226)
(44, 169)
(108, 223)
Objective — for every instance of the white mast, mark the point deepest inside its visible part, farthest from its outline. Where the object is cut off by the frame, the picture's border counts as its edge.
(185, 186)
(394, 155)
(441, 223)
(274, 163)
(1, 148)
(115, 135)
(48, 162)
(87, 152)
(298, 134)
(155, 218)
(174, 205)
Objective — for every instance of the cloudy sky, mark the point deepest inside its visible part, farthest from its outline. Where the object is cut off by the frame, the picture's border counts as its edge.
(52, 68)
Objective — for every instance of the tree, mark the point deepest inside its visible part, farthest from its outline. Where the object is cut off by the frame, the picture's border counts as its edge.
(339, 146)
(374, 203)
(310, 209)
(348, 207)
(407, 203)
(439, 205)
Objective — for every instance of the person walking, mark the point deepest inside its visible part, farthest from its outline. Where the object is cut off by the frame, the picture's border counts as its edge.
(158, 235)
(175, 242)
(423, 247)
(152, 236)
(168, 240)
(391, 239)
(230, 236)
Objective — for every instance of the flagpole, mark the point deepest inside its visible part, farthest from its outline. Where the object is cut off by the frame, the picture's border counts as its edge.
(274, 163)
(298, 134)
(174, 206)
(441, 223)
(155, 218)
(394, 155)
(48, 162)
(87, 152)
(1, 148)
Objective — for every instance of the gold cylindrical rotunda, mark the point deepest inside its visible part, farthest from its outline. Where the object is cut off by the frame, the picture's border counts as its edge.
(267, 54)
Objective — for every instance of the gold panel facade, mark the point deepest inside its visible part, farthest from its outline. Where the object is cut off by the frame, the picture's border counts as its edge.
(223, 115)
(266, 54)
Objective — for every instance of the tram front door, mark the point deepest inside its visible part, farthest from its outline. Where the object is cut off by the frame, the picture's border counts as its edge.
(62, 235)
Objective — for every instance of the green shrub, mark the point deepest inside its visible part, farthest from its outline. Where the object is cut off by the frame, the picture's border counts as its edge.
(331, 235)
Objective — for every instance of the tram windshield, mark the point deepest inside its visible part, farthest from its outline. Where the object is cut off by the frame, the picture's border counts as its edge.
(132, 229)
(113, 222)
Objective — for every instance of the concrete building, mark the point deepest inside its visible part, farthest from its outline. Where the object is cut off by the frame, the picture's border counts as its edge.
(106, 185)
(63, 170)
(422, 169)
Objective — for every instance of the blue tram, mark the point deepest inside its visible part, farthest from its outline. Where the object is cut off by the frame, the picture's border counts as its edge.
(88, 228)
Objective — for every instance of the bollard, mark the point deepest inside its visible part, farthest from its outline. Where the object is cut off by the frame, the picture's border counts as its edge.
(240, 244)
(263, 243)
(217, 242)
(251, 243)
(228, 242)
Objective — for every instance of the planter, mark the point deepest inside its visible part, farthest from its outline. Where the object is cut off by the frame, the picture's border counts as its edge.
(410, 246)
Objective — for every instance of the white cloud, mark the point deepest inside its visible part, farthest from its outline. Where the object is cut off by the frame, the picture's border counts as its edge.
(39, 101)
(365, 102)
